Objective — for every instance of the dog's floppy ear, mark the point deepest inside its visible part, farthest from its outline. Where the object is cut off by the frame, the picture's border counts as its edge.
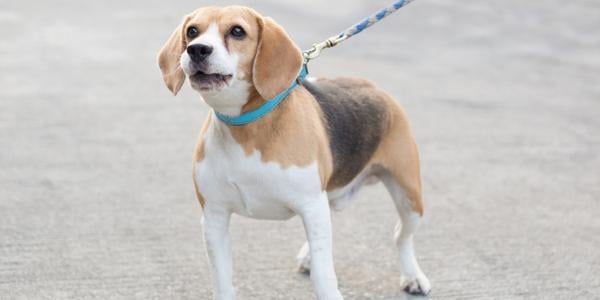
(168, 58)
(277, 60)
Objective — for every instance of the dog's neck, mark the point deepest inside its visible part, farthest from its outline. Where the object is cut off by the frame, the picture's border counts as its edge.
(243, 102)
(267, 125)
(233, 100)
(253, 101)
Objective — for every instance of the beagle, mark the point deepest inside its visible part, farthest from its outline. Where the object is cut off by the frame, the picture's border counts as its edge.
(309, 154)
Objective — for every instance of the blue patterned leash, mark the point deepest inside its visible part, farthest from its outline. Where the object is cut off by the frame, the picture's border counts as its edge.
(355, 29)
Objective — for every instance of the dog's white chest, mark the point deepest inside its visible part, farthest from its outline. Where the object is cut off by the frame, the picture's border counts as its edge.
(248, 186)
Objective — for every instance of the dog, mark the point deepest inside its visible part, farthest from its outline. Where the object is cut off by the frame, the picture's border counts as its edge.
(307, 156)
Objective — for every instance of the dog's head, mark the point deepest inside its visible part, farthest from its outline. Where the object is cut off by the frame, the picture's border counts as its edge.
(229, 54)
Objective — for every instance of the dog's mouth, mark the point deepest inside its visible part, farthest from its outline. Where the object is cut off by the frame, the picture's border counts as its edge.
(207, 82)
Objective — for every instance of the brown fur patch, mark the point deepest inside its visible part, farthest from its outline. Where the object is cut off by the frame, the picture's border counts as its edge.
(397, 153)
(168, 58)
(292, 134)
(277, 60)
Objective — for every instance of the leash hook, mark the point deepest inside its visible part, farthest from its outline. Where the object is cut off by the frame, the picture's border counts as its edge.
(316, 49)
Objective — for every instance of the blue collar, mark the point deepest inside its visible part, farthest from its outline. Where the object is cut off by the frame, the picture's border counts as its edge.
(269, 105)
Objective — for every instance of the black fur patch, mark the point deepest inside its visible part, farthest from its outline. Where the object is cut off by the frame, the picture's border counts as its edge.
(355, 121)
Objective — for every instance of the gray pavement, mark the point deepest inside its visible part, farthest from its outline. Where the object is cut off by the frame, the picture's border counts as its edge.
(96, 198)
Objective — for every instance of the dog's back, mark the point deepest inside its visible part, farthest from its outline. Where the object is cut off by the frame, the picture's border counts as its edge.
(355, 120)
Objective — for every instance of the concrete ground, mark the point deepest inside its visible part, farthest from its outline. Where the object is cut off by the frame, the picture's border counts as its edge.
(96, 198)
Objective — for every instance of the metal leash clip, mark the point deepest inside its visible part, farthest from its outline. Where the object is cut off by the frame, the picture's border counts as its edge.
(316, 49)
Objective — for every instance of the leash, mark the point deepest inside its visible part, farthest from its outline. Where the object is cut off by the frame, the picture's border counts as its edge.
(312, 53)
(357, 28)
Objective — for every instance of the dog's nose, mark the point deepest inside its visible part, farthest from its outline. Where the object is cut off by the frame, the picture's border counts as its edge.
(198, 52)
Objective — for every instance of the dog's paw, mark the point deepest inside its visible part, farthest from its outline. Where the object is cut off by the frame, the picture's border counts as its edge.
(303, 264)
(303, 268)
(303, 259)
(416, 285)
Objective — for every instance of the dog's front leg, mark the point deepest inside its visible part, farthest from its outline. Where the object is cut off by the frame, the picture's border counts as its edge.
(218, 248)
(317, 223)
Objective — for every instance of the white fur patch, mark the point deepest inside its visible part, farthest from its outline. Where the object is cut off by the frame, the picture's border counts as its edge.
(229, 101)
(249, 186)
(340, 198)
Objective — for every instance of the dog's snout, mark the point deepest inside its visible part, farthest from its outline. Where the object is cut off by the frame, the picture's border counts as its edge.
(199, 52)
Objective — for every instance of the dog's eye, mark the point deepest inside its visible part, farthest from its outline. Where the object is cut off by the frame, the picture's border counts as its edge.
(237, 32)
(192, 32)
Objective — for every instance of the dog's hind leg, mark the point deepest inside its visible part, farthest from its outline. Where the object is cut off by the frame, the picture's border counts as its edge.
(398, 158)
(406, 193)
